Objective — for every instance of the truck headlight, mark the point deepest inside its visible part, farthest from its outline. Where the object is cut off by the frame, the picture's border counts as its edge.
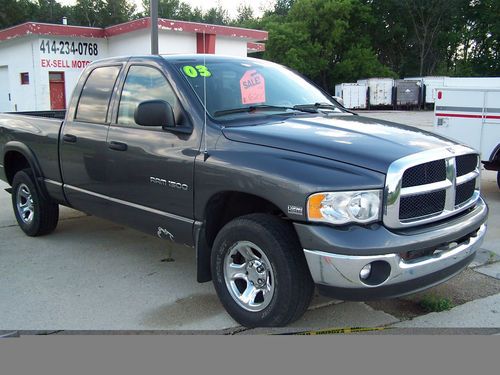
(345, 207)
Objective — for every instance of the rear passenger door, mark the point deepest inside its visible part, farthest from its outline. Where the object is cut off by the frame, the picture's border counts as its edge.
(151, 168)
(83, 147)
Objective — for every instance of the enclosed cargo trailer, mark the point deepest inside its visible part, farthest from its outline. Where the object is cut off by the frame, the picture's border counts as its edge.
(429, 86)
(379, 91)
(471, 116)
(407, 93)
(353, 94)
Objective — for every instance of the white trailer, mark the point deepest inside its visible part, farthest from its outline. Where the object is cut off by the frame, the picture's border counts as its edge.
(380, 91)
(475, 82)
(471, 116)
(353, 94)
(430, 84)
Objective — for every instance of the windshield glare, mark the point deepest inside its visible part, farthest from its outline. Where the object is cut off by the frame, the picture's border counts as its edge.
(233, 84)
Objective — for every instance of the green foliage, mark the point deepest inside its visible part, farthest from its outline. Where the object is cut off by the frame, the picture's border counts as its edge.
(327, 40)
(245, 15)
(431, 302)
(87, 13)
(116, 11)
(216, 15)
(13, 12)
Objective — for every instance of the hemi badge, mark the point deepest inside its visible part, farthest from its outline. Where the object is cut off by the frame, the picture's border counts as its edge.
(295, 210)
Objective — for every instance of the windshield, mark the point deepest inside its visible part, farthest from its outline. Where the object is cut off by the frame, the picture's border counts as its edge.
(238, 87)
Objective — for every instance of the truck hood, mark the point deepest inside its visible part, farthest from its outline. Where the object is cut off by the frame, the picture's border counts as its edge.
(357, 140)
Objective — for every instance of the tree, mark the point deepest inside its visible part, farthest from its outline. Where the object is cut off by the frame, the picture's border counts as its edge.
(483, 52)
(116, 11)
(428, 20)
(216, 15)
(87, 13)
(323, 38)
(282, 7)
(166, 8)
(13, 12)
(244, 15)
(50, 11)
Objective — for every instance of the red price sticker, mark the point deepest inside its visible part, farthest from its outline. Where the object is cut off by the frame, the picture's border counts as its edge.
(253, 88)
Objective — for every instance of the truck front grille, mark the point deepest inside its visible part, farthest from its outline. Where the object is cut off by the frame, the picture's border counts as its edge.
(465, 192)
(430, 186)
(466, 164)
(426, 173)
(421, 205)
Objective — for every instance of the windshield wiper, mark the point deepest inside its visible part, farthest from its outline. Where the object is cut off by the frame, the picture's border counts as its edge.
(263, 107)
(317, 106)
(324, 106)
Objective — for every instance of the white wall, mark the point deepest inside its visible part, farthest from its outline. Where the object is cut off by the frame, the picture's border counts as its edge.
(139, 43)
(18, 58)
(174, 42)
(230, 46)
(135, 43)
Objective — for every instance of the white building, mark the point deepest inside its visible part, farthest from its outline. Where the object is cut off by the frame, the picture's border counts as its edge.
(40, 63)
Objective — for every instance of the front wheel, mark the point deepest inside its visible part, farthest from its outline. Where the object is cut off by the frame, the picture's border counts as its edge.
(498, 179)
(260, 272)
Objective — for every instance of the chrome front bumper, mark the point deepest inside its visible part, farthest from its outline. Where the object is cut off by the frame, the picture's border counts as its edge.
(342, 272)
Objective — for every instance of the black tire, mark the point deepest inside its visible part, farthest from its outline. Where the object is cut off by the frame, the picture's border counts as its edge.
(292, 284)
(498, 179)
(45, 213)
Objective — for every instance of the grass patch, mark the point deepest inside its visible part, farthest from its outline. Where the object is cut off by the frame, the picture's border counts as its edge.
(433, 303)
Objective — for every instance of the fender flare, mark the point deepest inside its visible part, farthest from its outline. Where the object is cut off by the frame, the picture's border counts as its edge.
(24, 150)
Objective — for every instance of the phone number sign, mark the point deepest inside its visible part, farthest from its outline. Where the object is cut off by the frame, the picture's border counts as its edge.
(66, 54)
(61, 47)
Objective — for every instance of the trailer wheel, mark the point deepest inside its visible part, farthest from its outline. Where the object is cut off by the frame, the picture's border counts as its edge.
(260, 272)
(35, 215)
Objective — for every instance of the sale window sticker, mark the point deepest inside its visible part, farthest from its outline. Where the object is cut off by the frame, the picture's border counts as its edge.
(253, 87)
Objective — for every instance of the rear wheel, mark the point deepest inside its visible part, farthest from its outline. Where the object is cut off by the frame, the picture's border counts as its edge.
(35, 214)
(498, 179)
(260, 272)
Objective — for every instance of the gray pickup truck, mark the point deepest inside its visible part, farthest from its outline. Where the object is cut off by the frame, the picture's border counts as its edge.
(276, 186)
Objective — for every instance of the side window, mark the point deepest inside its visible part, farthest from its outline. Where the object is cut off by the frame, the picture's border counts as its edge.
(96, 93)
(143, 83)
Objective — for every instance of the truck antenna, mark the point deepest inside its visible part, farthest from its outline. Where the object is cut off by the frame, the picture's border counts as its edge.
(205, 148)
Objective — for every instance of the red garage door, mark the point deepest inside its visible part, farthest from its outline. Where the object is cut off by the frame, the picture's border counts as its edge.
(57, 92)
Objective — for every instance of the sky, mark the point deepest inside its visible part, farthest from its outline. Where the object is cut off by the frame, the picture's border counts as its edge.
(230, 5)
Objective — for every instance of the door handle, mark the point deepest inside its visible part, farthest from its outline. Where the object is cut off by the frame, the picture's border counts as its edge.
(117, 146)
(69, 138)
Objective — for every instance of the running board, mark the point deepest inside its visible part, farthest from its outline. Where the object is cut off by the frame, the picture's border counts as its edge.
(9, 190)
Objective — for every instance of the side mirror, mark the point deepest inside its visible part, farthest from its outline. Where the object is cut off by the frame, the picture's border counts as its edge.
(154, 113)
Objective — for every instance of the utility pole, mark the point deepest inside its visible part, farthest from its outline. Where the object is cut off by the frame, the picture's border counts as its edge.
(153, 12)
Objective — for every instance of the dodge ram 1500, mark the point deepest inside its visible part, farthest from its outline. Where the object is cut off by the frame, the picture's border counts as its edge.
(276, 185)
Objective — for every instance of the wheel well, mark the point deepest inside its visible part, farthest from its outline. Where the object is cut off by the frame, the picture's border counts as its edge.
(226, 206)
(14, 162)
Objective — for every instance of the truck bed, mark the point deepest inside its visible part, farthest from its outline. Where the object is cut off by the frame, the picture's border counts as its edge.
(39, 132)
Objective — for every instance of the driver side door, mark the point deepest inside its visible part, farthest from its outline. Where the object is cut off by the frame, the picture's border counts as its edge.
(150, 169)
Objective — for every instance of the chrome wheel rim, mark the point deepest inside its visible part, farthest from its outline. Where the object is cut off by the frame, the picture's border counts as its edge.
(24, 204)
(249, 276)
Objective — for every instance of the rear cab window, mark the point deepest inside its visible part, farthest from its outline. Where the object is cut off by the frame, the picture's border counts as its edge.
(96, 94)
